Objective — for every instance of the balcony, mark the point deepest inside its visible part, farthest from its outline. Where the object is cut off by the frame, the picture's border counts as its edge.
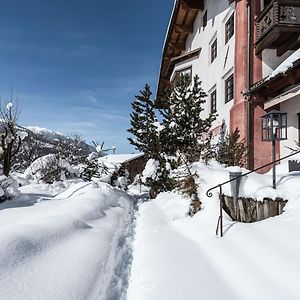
(278, 27)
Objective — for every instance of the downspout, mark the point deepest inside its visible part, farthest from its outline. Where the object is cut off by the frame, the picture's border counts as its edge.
(249, 76)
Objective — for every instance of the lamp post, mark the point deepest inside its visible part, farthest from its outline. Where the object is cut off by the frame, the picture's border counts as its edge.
(274, 128)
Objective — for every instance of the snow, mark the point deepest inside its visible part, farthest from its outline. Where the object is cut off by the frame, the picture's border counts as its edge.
(285, 65)
(63, 247)
(50, 134)
(150, 170)
(9, 106)
(22, 134)
(82, 240)
(120, 158)
(178, 257)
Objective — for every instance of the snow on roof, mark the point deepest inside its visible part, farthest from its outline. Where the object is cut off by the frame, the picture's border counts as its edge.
(285, 65)
(120, 158)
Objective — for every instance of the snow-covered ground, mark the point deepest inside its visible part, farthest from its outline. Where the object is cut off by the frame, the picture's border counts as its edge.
(180, 258)
(69, 246)
(83, 240)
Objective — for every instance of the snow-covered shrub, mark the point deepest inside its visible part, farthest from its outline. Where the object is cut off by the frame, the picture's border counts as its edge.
(120, 178)
(158, 176)
(8, 188)
(50, 168)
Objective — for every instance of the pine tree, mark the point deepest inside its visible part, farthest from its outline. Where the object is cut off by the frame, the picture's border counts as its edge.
(144, 124)
(233, 151)
(186, 132)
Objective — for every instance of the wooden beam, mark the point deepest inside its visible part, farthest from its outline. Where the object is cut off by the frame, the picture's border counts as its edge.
(183, 28)
(193, 4)
(177, 46)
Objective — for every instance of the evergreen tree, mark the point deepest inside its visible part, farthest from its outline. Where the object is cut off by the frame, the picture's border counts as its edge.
(144, 124)
(233, 151)
(186, 132)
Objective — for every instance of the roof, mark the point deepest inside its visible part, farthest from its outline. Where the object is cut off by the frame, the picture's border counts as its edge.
(180, 26)
(285, 69)
(118, 159)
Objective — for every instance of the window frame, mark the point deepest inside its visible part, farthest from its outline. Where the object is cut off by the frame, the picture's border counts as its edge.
(178, 73)
(214, 50)
(213, 101)
(229, 88)
(229, 29)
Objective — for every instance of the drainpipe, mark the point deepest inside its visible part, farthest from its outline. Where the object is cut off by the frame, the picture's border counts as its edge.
(249, 76)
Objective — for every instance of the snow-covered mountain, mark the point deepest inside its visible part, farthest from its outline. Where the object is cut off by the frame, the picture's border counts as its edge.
(41, 141)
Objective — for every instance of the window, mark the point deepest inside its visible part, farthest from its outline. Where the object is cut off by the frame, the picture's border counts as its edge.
(179, 73)
(214, 50)
(229, 29)
(204, 20)
(229, 89)
(213, 102)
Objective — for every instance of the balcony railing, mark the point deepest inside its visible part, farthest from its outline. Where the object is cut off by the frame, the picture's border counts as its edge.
(276, 24)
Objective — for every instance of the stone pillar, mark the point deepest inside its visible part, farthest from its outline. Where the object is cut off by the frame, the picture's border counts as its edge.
(260, 152)
(238, 113)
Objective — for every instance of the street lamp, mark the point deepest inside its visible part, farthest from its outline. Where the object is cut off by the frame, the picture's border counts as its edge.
(274, 128)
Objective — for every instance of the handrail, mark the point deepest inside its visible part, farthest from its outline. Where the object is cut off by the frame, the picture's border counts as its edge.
(210, 194)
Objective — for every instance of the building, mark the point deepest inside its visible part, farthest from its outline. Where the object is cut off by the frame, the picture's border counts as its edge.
(133, 163)
(245, 53)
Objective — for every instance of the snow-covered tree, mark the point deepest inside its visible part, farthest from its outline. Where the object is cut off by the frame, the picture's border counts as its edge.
(93, 167)
(10, 137)
(73, 149)
(232, 151)
(186, 132)
(144, 124)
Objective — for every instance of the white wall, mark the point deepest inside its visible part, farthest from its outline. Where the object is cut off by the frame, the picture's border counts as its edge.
(271, 61)
(213, 74)
(291, 107)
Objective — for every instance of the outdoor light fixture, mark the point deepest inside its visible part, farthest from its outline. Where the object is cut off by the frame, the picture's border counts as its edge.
(274, 128)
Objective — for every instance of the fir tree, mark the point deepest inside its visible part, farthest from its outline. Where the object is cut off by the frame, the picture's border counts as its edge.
(233, 151)
(144, 124)
(185, 132)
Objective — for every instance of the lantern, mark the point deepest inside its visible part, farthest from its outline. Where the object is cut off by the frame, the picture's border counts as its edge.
(274, 128)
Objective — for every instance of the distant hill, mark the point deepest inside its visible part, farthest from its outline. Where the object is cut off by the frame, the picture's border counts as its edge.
(42, 141)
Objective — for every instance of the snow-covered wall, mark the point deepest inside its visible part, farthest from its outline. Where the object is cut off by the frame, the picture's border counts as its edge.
(212, 75)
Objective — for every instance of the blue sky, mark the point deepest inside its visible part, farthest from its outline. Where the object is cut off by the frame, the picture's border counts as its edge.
(76, 65)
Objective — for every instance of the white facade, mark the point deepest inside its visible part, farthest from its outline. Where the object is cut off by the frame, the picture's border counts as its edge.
(292, 108)
(212, 74)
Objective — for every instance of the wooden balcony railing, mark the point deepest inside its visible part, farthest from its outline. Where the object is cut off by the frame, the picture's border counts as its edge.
(278, 26)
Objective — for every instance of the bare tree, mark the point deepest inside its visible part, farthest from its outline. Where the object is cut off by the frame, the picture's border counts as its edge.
(10, 138)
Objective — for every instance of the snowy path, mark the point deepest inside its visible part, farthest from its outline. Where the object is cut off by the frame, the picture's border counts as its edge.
(69, 247)
(180, 258)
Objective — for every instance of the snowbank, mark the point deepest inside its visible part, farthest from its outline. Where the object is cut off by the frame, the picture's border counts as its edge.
(62, 247)
(256, 186)
(178, 257)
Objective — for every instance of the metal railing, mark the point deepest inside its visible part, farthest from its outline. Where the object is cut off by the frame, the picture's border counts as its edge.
(210, 194)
